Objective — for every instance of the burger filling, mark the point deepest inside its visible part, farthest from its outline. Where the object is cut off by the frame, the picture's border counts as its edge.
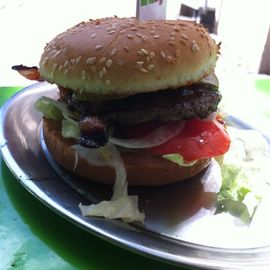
(176, 124)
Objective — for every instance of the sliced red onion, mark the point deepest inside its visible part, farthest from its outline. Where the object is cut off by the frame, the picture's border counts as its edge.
(154, 138)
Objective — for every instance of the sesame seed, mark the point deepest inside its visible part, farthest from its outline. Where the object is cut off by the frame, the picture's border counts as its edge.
(109, 29)
(176, 29)
(173, 33)
(98, 47)
(140, 53)
(54, 66)
(156, 36)
(126, 48)
(72, 61)
(114, 52)
(90, 60)
(194, 46)
(139, 35)
(122, 31)
(60, 67)
(133, 29)
(144, 51)
(111, 32)
(172, 42)
(152, 55)
(139, 63)
(143, 70)
(93, 35)
(177, 53)
(150, 67)
(66, 63)
(129, 36)
(147, 59)
(169, 59)
(152, 32)
(104, 70)
(184, 36)
(108, 82)
(108, 63)
(162, 54)
(78, 59)
(102, 60)
(45, 60)
(142, 26)
(144, 38)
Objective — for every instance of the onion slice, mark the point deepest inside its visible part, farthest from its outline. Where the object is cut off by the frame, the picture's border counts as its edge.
(211, 79)
(154, 138)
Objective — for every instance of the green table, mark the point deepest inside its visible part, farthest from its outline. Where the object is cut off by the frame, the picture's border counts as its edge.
(34, 237)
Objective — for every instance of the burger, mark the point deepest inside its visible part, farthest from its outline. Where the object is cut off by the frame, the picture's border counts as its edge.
(144, 91)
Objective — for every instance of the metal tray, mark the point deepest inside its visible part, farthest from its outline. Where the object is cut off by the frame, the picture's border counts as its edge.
(180, 226)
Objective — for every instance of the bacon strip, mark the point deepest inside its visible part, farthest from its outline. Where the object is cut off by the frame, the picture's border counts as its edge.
(30, 73)
(94, 132)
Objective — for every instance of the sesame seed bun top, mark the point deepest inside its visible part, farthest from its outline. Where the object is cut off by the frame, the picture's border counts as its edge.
(119, 56)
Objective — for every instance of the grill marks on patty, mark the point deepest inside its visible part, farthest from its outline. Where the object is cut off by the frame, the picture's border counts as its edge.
(197, 100)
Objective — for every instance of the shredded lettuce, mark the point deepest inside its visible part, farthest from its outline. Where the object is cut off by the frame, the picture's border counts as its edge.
(121, 205)
(244, 172)
(178, 159)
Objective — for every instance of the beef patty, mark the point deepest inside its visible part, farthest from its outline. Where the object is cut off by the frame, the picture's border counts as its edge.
(197, 100)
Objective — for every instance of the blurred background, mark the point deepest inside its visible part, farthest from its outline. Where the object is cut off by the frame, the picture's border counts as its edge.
(242, 26)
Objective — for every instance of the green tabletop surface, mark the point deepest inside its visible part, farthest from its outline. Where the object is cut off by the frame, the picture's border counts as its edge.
(33, 237)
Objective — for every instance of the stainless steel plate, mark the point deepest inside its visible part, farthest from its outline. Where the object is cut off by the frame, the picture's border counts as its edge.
(180, 225)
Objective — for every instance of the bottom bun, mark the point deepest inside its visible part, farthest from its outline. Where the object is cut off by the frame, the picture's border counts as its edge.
(142, 168)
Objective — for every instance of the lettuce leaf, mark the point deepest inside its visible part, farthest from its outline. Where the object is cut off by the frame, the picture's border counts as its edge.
(178, 159)
(244, 173)
(58, 110)
(48, 108)
(70, 129)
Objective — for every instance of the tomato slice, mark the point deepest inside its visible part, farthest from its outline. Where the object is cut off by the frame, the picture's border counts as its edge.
(198, 139)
